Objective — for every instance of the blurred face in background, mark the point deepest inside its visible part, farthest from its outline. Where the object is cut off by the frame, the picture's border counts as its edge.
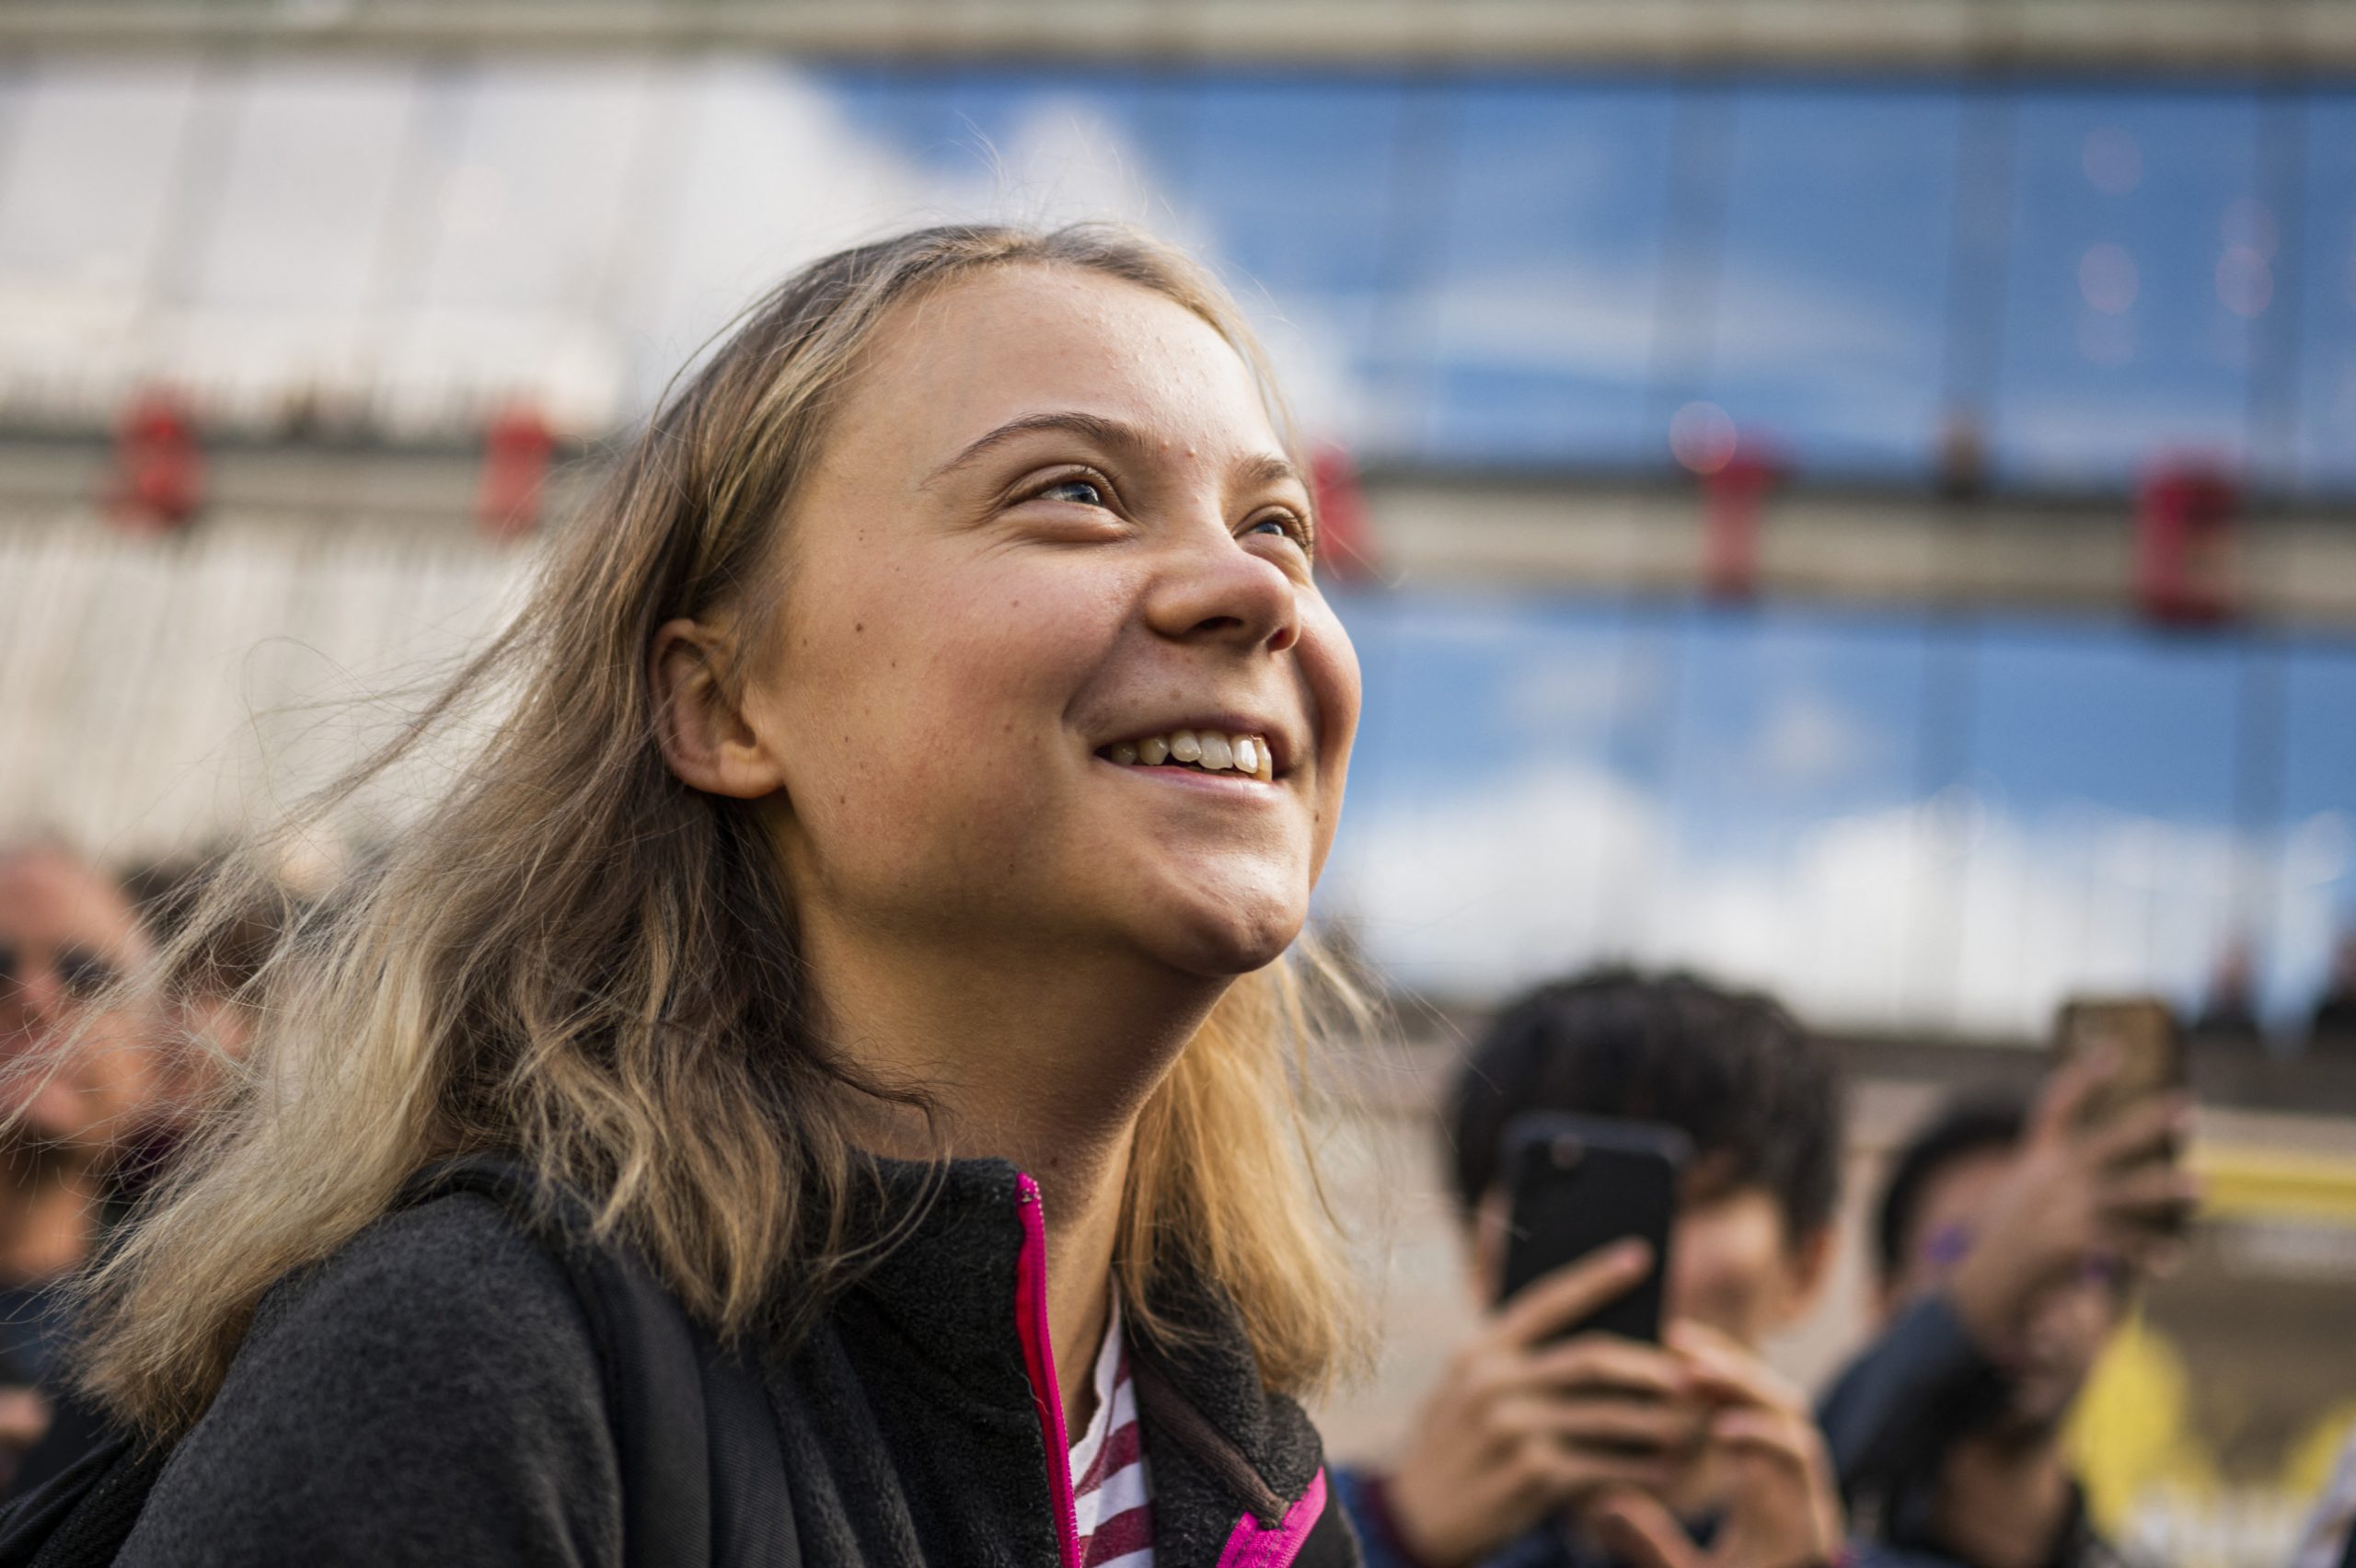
(2071, 1321)
(66, 934)
(219, 1020)
(1735, 1267)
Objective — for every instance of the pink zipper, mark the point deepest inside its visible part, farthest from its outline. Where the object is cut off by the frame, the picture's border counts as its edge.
(1254, 1545)
(1039, 1360)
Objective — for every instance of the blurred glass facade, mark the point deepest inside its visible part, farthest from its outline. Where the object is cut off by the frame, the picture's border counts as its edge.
(1924, 818)
(1523, 270)
(1897, 819)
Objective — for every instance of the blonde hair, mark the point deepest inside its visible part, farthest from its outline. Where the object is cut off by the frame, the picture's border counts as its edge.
(574, 956)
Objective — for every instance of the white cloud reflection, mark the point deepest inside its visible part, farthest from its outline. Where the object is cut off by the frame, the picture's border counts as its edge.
(1947, 913)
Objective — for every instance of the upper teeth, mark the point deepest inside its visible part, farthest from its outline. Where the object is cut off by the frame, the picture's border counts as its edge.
(1206, 749)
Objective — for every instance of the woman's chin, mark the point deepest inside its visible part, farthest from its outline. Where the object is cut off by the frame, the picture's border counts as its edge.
(1219, 939)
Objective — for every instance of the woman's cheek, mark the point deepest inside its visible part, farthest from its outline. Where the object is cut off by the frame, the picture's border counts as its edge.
(1329, 667)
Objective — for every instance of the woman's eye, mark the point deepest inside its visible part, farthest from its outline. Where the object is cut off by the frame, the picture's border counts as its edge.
(1081, 492)
(1282, 527)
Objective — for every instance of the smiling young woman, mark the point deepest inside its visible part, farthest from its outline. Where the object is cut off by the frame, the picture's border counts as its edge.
(874, 896)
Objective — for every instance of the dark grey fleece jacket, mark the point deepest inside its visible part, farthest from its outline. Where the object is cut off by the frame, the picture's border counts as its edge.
(431, 1395)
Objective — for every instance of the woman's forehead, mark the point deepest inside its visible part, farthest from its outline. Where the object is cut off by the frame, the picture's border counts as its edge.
(1013, 341)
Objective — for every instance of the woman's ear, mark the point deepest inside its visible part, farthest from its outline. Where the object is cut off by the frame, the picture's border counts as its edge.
(703, 732)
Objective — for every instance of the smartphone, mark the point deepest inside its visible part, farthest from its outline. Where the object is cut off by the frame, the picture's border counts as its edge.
(2140, 1032)
(1579, 1184)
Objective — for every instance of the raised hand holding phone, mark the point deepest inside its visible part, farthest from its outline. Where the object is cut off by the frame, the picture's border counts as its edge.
(1779, 1505)
(1576, 1185)
(1525, 1423)
(2097, 1183)
(2135, 1040)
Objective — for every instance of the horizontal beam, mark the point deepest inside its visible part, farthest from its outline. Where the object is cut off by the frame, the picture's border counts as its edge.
(2295, 564)
(2295, 567)
(2280, 37)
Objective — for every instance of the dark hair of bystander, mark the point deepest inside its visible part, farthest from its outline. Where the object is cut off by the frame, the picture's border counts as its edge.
(1759, 1097)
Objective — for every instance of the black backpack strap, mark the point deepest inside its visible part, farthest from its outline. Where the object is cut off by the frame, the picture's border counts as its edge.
(80, 1516)
(102, 1520)
(702, 1473)
(752, 1510)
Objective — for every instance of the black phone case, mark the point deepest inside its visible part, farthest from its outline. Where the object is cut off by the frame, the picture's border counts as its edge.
(1579, 1184)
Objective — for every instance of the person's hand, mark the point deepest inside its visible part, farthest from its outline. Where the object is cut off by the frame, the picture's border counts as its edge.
(1521, 1428)
(1782, 1509)
(2078, 1193)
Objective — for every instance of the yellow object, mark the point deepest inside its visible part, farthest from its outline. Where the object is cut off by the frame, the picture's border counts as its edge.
(2245, 1183)
(2132, 1427)
(2132, 1437)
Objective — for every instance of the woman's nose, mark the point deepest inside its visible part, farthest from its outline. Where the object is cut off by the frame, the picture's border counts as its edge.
(1214, 588)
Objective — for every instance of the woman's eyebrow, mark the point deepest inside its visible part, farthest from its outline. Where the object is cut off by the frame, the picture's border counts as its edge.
(1260, 469)
(1104, 431)
(1268, 468)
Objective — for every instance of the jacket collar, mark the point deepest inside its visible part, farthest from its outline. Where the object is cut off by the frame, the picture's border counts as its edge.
(1228, 1455)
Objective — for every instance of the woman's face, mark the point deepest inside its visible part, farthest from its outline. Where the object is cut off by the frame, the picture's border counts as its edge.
(1051, 529)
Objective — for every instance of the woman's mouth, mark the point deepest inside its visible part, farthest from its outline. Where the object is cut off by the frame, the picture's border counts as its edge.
(1203, 751)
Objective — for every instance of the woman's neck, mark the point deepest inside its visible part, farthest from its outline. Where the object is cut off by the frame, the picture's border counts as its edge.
(1045, 1064)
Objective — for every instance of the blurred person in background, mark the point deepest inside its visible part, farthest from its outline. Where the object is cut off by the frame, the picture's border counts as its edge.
(2008, 1241)
(202, 1019)
(2228, 1015)
(210, 988)
(1534, 1453)
(87, 1076)
(2333, 1025)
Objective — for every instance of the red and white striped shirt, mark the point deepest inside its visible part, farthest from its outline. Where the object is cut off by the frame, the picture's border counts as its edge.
(1111, 1493)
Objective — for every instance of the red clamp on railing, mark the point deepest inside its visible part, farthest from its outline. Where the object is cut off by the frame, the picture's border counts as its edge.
(1344, 528)
(159, 478)
(1737, 491)
(516, 450)
(1736, 471)
(2184, 543)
